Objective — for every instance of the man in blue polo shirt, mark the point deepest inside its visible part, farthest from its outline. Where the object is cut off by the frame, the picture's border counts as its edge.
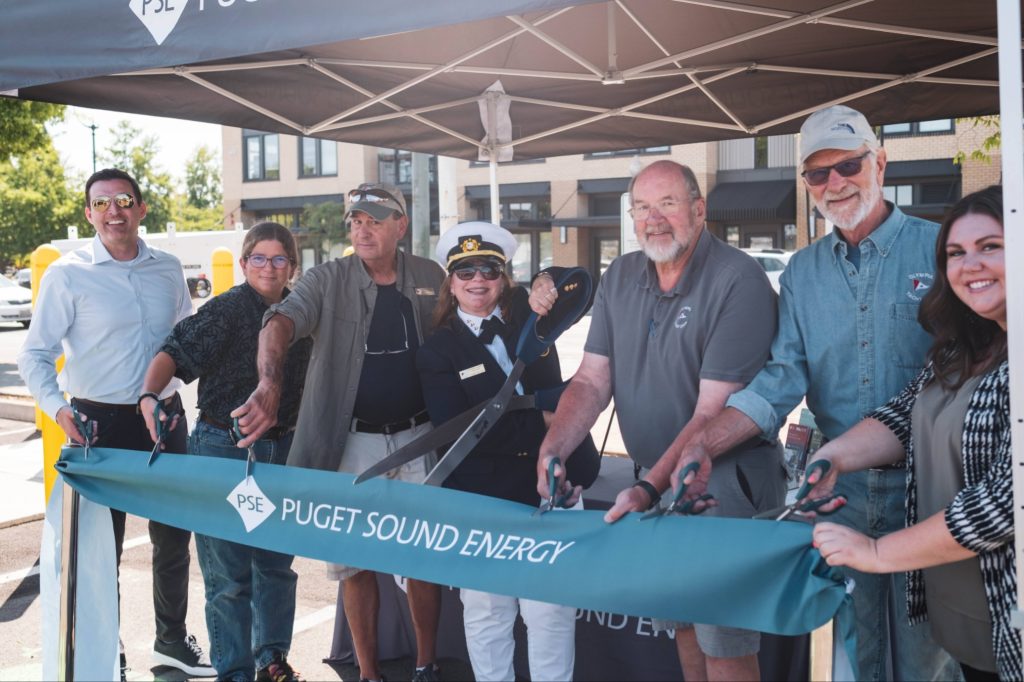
(848, 340)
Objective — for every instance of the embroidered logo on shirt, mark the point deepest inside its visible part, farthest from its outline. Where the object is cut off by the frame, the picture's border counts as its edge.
(251, 504)
(471, 372)
(683, 317)
(920, 283)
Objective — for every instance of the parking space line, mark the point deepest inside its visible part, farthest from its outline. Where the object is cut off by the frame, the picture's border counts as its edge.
(312, 620)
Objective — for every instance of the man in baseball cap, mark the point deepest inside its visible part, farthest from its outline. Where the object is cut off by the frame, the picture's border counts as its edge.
(848, 340)
(377, 199)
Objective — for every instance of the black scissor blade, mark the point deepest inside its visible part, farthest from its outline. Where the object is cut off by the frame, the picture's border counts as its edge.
(435, 438)
(496, 407)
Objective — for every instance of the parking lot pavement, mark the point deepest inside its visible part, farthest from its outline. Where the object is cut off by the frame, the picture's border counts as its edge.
(21, 470)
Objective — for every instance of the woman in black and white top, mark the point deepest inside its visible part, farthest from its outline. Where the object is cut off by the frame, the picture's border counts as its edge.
(952, 424)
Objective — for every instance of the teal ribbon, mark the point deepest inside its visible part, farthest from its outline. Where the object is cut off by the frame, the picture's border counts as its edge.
(758, 575)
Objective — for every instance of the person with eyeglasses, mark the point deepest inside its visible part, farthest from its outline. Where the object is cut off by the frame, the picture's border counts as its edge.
(478, 320)
(367, 314)
(108, 306)
(848, 340)
(244, 585)
(676, 327)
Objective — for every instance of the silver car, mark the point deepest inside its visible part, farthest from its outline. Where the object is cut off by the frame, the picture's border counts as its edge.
(15, 302)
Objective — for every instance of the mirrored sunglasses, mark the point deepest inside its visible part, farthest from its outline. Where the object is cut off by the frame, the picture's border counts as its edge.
(374, 196)
(847, 169)
(258, 260)
(102, 203)
(468, 272)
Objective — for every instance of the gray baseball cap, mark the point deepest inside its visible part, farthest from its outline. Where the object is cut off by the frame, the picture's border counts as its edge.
(377, 199)
(835, 127)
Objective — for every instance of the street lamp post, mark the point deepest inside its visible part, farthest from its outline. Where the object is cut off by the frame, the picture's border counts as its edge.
(93, 128)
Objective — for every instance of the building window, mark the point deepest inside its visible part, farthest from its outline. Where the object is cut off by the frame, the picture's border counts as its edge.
(394, 166)
(317, 158)
(664, 149)
(605, 204)
(732, 235)
(901, 195)
(789, 237)
(262, 160)
(938, 126)
(289, 219)
(760, 152)
(516, 208)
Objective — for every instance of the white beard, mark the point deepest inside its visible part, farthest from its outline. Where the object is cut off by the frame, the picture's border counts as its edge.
(849, 217)
(662, 254)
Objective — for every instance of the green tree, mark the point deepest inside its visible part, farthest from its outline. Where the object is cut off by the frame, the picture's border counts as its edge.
(36, 203)
(325, 222)
(22, 125)
(136, 155)
(202, 178)
(189, 218)
(990, 143)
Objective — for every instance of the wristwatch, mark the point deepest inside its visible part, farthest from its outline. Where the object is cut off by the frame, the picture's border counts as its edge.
(651, 491)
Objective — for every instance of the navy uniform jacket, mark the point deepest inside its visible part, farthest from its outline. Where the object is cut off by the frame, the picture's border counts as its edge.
(504, 463)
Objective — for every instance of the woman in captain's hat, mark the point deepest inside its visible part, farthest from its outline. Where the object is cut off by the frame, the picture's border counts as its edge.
(478, 319)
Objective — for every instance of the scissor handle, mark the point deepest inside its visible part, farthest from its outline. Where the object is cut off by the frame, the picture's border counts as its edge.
(552, 480)
(84, 427)
(574, 287)
(161, 426)
(236, 430)
(687, 507)
(816, 505)
(819, 464)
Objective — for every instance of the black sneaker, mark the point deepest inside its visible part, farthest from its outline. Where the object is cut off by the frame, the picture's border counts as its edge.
(186, 655)
(124, 668)
(428, 673)
(278, 670)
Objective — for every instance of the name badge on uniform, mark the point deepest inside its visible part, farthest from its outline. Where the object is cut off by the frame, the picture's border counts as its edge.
(471, 371)
(424, 291)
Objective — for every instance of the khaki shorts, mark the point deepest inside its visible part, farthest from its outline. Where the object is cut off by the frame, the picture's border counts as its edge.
(363, 450)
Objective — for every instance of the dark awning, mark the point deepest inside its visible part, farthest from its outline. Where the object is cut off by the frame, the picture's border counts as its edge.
(602, 186)
(510, 189)
(587, 221)
(771, 201)
(923, 168)
(290, 203)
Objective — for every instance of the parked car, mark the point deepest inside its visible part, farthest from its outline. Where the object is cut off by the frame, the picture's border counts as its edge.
(15, 303)
(773, 261)
(24, 278)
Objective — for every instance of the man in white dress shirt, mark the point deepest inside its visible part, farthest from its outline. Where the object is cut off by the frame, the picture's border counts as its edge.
(108, 306)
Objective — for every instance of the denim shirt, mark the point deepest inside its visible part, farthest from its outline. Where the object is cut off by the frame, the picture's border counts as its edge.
(848, 338)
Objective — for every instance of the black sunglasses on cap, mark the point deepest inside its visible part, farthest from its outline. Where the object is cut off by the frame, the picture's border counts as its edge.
(102, 203)
(847, 169)
(467, 272)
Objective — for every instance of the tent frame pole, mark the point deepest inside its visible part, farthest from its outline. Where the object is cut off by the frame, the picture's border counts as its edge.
(68, 584)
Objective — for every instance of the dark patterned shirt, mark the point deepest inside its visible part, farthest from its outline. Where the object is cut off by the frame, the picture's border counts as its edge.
(218, 345)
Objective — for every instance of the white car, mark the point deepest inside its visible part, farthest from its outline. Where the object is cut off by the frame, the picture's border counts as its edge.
(773, 261)
(15, 302)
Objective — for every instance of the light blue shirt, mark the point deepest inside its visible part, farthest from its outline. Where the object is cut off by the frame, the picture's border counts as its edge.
(496, 347)
(108, 317)
(848, 337)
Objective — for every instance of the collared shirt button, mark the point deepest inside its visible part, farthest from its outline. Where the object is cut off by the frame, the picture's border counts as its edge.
(863, 307)
(863, 344)
(865, 380)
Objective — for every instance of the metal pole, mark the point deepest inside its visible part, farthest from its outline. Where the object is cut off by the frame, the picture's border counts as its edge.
(93, 128)
(68, 584)
(1011, 121)
(492, 150)
(421, 204)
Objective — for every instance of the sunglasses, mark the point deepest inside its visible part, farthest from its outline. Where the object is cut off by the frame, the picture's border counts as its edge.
(847, 169)
(468, 272)
(258, 260)
(374, 196)
(102, 203)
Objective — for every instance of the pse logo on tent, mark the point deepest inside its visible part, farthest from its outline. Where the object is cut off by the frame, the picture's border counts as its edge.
(251, 504)
(158, 16)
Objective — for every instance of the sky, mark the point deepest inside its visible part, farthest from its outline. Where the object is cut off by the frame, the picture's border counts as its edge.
(176, 138)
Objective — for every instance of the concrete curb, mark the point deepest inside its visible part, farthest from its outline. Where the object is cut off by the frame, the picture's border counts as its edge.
(17, 410)
(19, 521)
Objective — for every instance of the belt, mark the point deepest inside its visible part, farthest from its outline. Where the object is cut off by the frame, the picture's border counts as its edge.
(890, 467)
(273, 433)
(388, 429)
(170, 403)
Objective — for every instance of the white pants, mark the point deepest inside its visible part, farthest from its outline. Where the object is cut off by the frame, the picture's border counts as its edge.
(551, 636)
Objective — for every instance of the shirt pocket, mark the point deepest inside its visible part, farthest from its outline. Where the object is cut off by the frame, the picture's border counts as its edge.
(908, 341)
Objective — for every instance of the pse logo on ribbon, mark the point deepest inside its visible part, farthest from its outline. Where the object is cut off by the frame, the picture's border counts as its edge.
(251, 504)
(158, 16)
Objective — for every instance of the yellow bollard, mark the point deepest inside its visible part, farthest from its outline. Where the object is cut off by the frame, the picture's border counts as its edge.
(223, 269)
(53, 435)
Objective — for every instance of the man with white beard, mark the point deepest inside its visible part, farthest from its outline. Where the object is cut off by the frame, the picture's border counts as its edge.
(674, 330)
(848, 340)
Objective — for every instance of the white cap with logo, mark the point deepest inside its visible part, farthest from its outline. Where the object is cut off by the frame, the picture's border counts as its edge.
(836, 127)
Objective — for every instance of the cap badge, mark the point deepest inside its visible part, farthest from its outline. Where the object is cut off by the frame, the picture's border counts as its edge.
(470, 244)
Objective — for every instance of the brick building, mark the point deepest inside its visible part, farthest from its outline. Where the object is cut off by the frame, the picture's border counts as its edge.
(566, 209)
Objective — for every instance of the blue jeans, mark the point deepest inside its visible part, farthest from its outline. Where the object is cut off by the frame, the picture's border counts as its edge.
(876, 502)
(250, 592)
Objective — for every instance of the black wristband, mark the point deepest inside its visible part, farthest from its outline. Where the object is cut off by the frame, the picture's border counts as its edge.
(138, 403)
(651, 491)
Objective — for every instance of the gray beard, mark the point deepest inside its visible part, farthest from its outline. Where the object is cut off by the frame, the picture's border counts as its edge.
(869, 198)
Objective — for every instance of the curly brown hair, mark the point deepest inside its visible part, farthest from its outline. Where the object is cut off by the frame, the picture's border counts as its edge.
(966, 344)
